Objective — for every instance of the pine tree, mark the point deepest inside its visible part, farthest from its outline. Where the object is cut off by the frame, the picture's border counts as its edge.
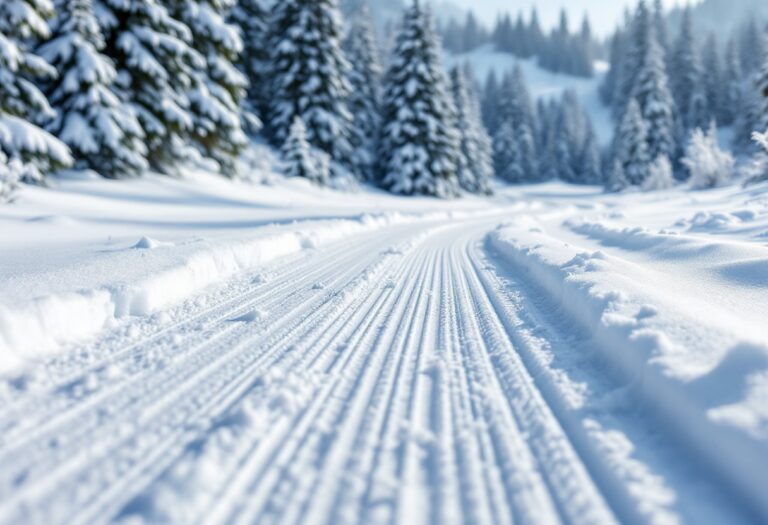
(571, 135)
(712, 77)
(733, 79)
(590, 160)
(101, 130)
(687, 78)
(660, 26)
(365, 98)
(635, 50)
(617, 180)
(632, 145)
(517, 163)
(252, 18)
(22, 105)
(310, 77)
(490, 105)
(505, 154)
(420, 145)
(473, 35)
(10, 175)
(218, 89)
(761, 90)
(753, 45)
(155, 63)
(608, 89)
(549, 116)
(300, 160)
(535, 34)
(475, 169)
(656, 103)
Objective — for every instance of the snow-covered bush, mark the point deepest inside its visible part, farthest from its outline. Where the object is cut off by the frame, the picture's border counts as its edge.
(708, 165)
(761, 139)
(617, 180)
(756, 170)
(303, 160)
(10, 174)
(660, 175)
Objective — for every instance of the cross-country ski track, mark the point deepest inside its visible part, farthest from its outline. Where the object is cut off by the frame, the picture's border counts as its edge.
(406, 375)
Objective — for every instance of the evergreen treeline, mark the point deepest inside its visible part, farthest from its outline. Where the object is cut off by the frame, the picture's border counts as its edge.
(664, 92)
(122, 86)
(560, 51)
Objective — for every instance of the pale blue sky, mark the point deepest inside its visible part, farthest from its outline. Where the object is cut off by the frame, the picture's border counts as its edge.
(604, 14)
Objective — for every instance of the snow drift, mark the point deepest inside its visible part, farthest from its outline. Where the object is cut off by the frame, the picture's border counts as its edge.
(696, 364)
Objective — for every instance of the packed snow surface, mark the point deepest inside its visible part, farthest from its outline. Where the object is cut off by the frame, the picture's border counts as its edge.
(203, 351)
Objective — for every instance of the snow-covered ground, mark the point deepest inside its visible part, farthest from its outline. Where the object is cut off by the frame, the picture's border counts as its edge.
(203, 351)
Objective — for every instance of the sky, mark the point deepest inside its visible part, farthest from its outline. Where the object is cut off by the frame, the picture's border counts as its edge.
(603, 14)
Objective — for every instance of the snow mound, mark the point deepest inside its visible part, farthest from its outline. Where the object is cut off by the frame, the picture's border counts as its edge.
(697, 364)
(39, 327)
(148, 243)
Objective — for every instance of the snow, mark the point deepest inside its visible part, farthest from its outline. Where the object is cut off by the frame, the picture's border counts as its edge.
(205, 349)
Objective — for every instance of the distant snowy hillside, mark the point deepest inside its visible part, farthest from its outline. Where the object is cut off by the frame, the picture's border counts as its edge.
(542, 83)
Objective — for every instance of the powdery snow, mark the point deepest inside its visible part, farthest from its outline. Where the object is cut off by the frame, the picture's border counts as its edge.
(199, 349)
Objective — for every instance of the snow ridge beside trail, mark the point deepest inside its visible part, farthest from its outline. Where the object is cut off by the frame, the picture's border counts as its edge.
(703, 378)
(40, 326)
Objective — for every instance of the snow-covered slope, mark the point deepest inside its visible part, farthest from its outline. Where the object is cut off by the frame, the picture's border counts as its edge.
(199, 350)
(543, 83)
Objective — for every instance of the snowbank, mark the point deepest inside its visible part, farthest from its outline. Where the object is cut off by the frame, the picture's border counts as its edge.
(38, 327)
(696, 364)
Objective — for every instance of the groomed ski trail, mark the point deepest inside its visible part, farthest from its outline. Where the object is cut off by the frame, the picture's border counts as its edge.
(383, 379)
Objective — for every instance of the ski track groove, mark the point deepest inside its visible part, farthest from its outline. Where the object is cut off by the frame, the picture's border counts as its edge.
(394, 393)
(134, 350)
(8, 456)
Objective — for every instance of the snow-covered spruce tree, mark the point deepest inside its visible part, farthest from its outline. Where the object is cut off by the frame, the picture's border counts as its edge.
(475, 165)
(590, 166)
(420, 147)
(656, 103)
(310, 77)
(712, 77)
(517, 163)
(761, 84)
(10, 176)
(632, 145)
(490, 103)
(218, 89)
(752, 46)
(549, 114)
(577, 154)
(733, 80)
(687, 80)
(505, 154)
(635, 50)
(155, 64)
(616, 55)
(252, 18)
(365, 97)
(660, 26)
(101, 130)
(298, 155)
(707, 165)
(22, 106)
(617, 180)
